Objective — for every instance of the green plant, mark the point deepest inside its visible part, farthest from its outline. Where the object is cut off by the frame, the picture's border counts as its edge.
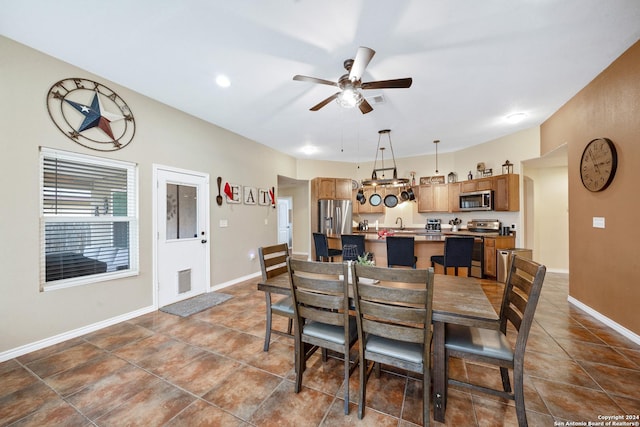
(365, 259)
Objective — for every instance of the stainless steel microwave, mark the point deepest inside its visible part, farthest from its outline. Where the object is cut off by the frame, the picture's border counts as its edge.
(477, 201)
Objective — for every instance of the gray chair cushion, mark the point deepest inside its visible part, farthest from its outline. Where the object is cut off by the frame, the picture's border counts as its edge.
(285, 306)
(408, 351)
(478, 341)
(331, 333)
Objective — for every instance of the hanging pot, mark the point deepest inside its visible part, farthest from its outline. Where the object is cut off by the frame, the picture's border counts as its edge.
(375, 199)
(390, 200)
(404, 195)
(360, 197)
(411, 194)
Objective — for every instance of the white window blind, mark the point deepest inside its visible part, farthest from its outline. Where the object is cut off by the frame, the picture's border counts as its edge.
(89, 219)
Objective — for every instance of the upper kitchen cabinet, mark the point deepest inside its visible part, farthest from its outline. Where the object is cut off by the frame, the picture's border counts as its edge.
(332, 188)
(433, 198)
(476, 185)
(506, 192)
(454, 196)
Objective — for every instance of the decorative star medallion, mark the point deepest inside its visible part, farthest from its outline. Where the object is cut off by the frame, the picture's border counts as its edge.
(91, 114)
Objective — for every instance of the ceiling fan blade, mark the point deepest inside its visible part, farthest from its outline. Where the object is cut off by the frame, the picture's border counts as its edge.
(365, 107)
(388, 84)
(314, 80)
(325, 102)
(363, 57)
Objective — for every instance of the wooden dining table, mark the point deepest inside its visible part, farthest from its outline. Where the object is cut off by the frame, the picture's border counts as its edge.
(457, 300)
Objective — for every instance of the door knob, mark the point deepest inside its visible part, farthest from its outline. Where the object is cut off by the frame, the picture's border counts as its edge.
(203, 241)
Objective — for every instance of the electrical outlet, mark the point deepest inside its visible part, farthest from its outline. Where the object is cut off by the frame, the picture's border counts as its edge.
(224, 223)
(598, 222)
(266, 221)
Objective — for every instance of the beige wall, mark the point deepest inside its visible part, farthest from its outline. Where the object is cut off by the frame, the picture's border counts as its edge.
(163, 136)
(604, 263)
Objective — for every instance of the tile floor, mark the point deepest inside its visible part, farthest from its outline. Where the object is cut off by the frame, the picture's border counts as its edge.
(209, 369)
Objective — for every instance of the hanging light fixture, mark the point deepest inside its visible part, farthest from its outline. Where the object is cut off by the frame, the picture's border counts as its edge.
(437, 141)
(383, 180)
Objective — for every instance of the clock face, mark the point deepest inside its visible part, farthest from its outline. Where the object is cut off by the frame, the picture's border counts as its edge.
(598, 164)
(91, 114)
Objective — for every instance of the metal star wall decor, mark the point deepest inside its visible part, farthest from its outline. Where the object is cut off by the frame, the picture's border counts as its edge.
(91, 114)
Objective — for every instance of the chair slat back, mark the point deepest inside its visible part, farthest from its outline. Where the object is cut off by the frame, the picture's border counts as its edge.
(521, 295)
(273, 260)
(389, 310)
(317, 291)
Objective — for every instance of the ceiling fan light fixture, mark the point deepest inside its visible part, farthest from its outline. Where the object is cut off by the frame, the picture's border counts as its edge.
(349, 98)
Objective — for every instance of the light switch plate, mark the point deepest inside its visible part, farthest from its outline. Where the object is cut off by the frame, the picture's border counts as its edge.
(224, 223)
(598, 222)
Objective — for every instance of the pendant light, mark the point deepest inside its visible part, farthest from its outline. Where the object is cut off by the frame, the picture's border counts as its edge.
(383, 180)
(437, 141)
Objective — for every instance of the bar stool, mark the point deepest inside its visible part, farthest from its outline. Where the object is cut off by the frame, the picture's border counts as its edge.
(458, 252)
(400, 251)
(351, 242)
(322, 248)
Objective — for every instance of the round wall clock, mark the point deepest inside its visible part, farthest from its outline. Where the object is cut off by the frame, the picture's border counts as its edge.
(91, 114)
(598, 164)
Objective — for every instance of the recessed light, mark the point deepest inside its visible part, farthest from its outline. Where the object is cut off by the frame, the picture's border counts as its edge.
(515, 117)
(223, 81)
(309, 150)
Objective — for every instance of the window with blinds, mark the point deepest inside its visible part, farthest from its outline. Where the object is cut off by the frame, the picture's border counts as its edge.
(89, 223)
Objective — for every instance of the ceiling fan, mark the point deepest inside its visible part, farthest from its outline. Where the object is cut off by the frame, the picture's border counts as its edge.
(350, 83)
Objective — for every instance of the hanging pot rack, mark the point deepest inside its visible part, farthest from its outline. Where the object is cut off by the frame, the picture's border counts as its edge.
(383, 181)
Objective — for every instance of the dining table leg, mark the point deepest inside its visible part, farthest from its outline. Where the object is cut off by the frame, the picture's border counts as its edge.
(439, 373)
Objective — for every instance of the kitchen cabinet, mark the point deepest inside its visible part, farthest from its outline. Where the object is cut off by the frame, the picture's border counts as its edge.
(506, 193)
(491, 244)
(477, 185)
(433, 198)
(332, 188)
(454, 196)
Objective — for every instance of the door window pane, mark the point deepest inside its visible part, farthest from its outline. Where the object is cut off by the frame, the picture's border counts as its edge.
(182, 211)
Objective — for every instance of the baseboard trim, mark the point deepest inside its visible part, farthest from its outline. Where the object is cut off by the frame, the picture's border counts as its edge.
(56, 339)
(604, 319)
(234, 281)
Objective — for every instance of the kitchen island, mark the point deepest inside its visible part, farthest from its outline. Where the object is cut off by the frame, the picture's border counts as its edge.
(426, 245)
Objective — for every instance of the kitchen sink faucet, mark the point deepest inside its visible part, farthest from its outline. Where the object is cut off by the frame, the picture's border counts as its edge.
(401, 226)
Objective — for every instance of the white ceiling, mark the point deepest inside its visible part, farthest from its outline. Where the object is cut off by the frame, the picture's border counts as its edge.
(472, 62)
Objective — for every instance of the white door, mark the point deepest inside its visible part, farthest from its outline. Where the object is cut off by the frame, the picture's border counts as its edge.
(182, 224)
(284, 220)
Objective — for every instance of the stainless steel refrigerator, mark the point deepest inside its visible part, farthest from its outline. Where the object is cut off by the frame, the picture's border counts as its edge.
(334, 216)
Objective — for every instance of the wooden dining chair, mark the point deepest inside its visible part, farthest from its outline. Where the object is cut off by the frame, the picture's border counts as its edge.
(458, 252)
(322, 320)
(393, 308)
(273, 263)
(491, 346)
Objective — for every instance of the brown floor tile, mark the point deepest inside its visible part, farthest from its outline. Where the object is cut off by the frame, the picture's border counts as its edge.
(59, 413)
(336, 417)
(286, 408)
(49, 351)
(171, 358)
(78, 377)
(150, 406)
(595, 353)
(26, 401)
(65, 359)
(569, 402)
(204, 373)
(614, 380)
(278, 360)
(117, 335)
(243, 392)
(557, 369)
(203, 414)
(15, 379)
